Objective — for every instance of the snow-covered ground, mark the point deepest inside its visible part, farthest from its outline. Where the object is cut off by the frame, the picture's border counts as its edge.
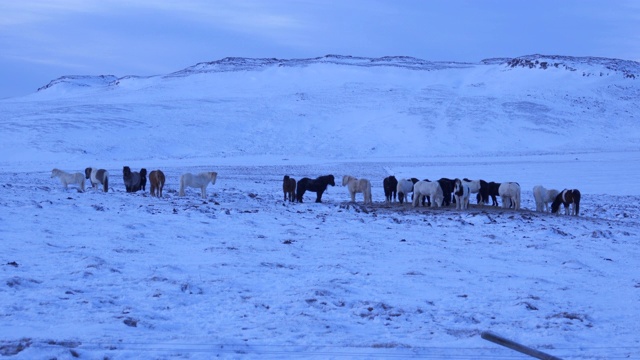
(242, 274)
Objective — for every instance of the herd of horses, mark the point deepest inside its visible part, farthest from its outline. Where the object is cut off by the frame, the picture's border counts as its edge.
(135, 180)
(440, 193)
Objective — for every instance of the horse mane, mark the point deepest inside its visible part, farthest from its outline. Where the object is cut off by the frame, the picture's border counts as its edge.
(458, 184)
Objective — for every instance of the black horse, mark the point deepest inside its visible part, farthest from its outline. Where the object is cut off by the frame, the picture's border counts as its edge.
(492, 190)
(318, 185)
(390, 185)
(131, 179)
(143, 179)
(447, 190)
(289, 188)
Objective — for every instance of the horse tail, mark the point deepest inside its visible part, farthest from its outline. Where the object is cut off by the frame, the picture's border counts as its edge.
(181, 193)
(300, 189)
(105, 183)
(576, 200)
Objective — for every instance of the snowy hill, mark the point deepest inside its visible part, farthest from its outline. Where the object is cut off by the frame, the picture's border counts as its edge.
(379, 108)
(243, 274)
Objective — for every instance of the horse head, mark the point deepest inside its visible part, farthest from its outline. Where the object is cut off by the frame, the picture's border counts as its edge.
(87, 173)
(457, 187)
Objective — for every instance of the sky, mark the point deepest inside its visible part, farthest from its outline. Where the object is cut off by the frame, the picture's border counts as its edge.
(42, 40)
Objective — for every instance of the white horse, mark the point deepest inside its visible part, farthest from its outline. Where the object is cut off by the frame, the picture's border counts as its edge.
(358, 186)
(97, 176)
(427, 188)
(543, 197)
(405, 186)
(198, 181)
(474, 188)
(67, 178)
(510, 191)
(461, 191)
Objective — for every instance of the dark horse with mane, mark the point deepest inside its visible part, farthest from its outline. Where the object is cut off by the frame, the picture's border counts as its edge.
(132, 179)
(318, 185)
(289, 188)
(492, 191)
(567, 198)
(447, 190)
(390, 185)
(143, 179)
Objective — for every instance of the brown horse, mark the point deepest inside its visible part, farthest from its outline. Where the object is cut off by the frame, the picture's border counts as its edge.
(567, 198)
(289, 188)
(156, 178)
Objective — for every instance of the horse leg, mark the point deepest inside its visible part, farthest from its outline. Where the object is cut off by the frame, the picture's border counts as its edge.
(504, 202)
(435, 201)
(203, 192)
(319, 196)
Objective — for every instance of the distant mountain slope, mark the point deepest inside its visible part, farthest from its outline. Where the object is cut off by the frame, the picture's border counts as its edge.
(589, 66)
(335, 107)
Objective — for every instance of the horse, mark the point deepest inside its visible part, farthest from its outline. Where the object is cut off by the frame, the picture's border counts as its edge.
(567, 198)
(478, 187)
(390, 185)
(405, 186)
(143, 179)
(67, 178)
(157, 179)
(289, 188)
(543, 197)
(200, 180)
(97, 176)
(461, 191)
(358, 186)
(510, 191)
(431, 189)
(492, 190)
(131, 179)
(318, 185)
(447, 190)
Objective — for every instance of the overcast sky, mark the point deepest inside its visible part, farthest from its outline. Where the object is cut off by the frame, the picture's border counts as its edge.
(41, 40)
